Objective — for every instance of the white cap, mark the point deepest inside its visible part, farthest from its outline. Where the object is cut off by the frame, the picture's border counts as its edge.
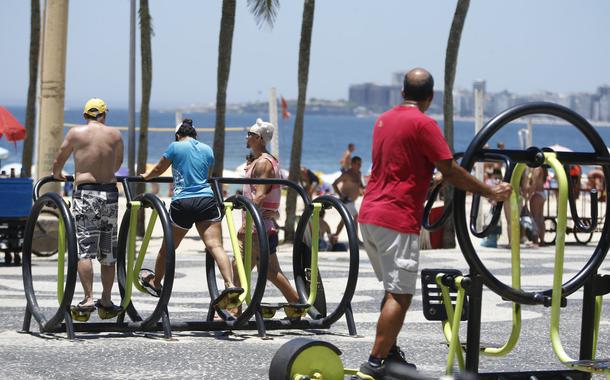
(263, 129)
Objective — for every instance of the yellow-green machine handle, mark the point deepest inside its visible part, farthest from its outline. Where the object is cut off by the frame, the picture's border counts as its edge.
(315, 245)
(562, 211)
(243, 262)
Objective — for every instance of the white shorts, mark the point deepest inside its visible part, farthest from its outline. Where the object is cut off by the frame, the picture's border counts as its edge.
(394, 257)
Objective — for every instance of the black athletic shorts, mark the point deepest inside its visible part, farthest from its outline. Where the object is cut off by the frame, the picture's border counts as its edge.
(185, 212)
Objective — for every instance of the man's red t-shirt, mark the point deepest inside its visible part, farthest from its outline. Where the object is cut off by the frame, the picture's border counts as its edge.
(406, 143)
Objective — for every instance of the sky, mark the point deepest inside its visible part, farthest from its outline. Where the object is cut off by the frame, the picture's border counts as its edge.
(522, 46)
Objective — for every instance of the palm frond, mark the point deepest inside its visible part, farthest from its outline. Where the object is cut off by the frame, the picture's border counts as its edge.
(264, 11)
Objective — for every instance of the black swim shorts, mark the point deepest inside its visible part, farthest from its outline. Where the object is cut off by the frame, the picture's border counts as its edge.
(185, 212)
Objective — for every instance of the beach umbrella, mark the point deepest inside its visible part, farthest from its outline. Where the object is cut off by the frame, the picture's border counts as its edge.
(560, 148)
(10, 126)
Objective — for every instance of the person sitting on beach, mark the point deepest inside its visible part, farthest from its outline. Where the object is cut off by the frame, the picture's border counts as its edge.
(344, 163)
(351, 188)
(309, 180)
(98, 153)
(267, 199)
(327, 240)
(193, 202)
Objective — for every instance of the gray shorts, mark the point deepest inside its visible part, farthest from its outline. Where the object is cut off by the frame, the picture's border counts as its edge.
(351, 208)
(394, 257)
(95, 208)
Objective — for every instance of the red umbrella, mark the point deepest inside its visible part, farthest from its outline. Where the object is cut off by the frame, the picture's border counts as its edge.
(10, 126)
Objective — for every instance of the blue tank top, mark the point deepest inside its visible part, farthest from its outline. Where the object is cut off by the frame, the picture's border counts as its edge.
(191, 161)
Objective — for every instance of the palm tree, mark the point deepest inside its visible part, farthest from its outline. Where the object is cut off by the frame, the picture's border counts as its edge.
(297, 136)
(30, 111)
(225, 44)
(146, 32)
(451, 57)
(264, 11)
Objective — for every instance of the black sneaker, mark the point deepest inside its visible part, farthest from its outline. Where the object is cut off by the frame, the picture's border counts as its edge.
(368, 372)
(397, 356)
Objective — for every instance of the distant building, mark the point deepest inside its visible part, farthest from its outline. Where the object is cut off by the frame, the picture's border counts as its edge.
(376, 98)
(582, 104)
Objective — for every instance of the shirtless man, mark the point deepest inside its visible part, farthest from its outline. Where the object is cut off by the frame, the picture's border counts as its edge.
(98, 154)
(351, 189)
(347, 157)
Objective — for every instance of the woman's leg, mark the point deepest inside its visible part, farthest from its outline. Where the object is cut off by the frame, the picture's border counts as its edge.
(210, 233)
(179, 234)
(537, 210)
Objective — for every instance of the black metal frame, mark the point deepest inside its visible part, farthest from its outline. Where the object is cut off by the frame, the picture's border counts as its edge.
(159, 319)
(301, 260)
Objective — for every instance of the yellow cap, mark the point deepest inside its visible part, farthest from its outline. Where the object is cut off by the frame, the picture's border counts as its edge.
(95, 107)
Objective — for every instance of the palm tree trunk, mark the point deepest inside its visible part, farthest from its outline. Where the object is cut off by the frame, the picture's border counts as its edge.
(451, 57)
(30, 111)
(297, 136)
(146, 61)
(225, 43)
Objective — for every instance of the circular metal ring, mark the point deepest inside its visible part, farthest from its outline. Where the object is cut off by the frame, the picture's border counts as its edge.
(479, 141)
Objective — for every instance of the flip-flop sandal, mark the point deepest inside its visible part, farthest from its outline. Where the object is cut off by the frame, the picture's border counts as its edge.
(228, 299)
(81, 312)
(144, 276)
(107, 312)
(81, 307)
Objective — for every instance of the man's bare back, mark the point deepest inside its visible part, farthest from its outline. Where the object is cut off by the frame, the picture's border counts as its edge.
(351, 184)
(98, 153)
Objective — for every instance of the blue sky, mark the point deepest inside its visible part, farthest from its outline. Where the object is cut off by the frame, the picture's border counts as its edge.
(519, 45)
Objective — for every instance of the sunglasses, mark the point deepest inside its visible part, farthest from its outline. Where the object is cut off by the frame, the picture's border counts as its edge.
(252, 134)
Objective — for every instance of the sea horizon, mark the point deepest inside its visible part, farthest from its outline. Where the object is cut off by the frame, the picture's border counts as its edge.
(325, 137)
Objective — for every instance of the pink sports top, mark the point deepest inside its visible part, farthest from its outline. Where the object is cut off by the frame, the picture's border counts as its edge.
(272, 199)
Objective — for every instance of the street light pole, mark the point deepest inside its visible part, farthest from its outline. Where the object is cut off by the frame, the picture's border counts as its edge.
(132, 91)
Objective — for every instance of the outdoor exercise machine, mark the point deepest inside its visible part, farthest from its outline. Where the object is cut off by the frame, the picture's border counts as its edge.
(257, 315)
(129, 264)
(451, 297)
(308, 281)
(61, 319)
(447, 293)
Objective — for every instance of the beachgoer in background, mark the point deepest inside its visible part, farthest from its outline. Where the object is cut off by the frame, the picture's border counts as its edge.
(597, 181)
(491, 240)
(488, 167)
(407, 145)
(267, 199)
(348, 188)
(507, 209)
(347, 157)
(193, 203)
(327, 241)
(537, 197)
(98, 153)
(499, 165)
(309, 180)
(575, 174)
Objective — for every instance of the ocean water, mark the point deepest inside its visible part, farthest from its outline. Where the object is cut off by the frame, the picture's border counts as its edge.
(324, 140)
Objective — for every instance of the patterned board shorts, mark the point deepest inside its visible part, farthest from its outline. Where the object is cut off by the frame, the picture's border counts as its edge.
(95, 208)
